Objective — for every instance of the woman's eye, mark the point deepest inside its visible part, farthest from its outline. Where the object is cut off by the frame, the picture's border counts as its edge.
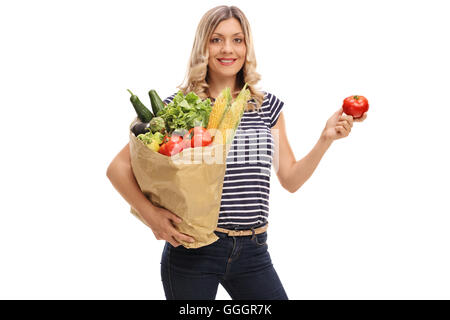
(217, 40)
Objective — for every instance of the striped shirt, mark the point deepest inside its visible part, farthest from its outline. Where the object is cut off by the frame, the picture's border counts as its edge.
(246, 185)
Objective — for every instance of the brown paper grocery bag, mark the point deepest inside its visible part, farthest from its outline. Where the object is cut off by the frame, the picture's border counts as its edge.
(189, 184)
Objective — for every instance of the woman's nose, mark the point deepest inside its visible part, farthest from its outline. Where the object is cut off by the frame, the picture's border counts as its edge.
(226, 47)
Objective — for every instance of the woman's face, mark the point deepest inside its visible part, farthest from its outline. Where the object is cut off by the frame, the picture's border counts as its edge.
(227, 49)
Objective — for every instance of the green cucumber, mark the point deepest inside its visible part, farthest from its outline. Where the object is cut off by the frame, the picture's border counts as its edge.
(142, 112)
(155, 100)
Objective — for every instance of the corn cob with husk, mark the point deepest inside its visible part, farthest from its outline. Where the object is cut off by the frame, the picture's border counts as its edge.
(232, 117)
(220, 107)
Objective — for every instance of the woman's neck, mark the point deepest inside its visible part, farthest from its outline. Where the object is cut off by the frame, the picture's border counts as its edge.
(216, 85)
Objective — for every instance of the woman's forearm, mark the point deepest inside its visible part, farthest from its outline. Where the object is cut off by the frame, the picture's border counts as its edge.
(122, 178)
(302, 169)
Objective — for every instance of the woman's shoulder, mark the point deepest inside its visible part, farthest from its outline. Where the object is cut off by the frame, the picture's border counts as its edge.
(170, 98)
(270, 99)
(269, 94)
(271, 107)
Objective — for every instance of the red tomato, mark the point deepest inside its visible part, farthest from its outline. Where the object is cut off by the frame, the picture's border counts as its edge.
(171, 147)
(175, 138)
(355, 106)
(186, 141)
(199, 137)
(163, 149)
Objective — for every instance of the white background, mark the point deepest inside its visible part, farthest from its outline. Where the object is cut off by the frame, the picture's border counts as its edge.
(371, 223)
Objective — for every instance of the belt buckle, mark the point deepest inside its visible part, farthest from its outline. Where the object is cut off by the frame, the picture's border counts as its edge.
(237, 233)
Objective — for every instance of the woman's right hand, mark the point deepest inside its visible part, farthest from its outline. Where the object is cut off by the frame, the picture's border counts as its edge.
(162, 221)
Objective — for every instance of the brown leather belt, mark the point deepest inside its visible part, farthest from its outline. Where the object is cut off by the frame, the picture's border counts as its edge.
(238, 233)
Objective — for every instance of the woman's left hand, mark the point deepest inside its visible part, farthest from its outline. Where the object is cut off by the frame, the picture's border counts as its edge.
(339, 125)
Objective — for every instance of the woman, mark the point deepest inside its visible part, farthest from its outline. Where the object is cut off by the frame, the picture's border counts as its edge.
(223, 56)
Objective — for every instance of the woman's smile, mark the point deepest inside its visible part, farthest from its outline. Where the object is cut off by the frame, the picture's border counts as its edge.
(226, 62)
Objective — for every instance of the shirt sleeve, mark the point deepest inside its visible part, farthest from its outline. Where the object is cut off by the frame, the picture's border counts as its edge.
(169, 99)
(275, 107)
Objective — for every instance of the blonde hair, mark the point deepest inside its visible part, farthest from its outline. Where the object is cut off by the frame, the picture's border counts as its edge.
(195, 79)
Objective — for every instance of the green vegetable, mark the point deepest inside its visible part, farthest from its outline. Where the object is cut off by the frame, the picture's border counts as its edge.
(157, 125)
(142, 112)
(186, 112)
(158, 136)
(151, 140)
(155, 100)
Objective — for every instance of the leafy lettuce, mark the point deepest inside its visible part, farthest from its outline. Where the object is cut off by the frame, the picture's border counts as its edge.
(185, 112)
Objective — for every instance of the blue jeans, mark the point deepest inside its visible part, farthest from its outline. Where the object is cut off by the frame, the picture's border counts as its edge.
(241, 264)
